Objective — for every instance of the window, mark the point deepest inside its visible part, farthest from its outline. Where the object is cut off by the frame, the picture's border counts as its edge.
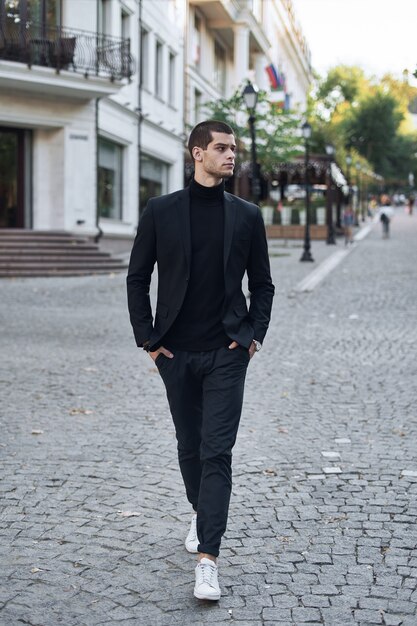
(30, 17)
(198, 97)
(219, 67)
(110, 165)
(144, 58)
(153, 179)
(196, 41)
(125, 25)
(158, 69)
(171, 79)
(45, 12)
(104, 17)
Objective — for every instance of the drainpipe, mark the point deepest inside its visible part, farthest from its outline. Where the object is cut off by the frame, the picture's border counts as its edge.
(99, 231)
(139, 107)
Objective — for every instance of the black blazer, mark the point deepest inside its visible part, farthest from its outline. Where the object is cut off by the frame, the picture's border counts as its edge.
(164, 237)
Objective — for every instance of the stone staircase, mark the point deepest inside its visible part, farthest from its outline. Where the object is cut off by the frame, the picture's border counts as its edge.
(27, 253)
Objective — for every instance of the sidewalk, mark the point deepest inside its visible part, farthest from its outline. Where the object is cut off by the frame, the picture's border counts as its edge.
(322, 518)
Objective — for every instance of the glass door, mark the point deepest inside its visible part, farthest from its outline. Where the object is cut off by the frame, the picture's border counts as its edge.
(13, 178)
(27, 27)
(46, 13)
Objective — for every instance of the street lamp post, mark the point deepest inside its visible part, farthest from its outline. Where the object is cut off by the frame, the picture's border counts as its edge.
(306, 256)
(250, 96)
(329, 197)
(359, 185)
(348, 164)
(348, 201)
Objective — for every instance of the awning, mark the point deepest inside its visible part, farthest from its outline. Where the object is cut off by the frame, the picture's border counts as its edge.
(337, 176)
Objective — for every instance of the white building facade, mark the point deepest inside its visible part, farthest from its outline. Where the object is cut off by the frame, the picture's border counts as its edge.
(74, 118)
(97, 98)
(161, 98)
(289, 51)
(230, 41)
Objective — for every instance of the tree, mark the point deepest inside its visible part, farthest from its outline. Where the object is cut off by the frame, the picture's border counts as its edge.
(277, 131)
(342, 84)
(372, 128)
(369, 119)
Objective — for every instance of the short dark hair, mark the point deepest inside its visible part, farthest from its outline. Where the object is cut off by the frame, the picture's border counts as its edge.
(201, 135)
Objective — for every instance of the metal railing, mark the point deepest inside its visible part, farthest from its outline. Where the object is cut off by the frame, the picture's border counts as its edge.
(63, 49)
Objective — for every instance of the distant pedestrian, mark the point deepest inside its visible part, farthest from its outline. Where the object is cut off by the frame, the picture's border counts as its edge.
(203, 240)
(348, 219)
(372, 206)
(411, 201)
(385, 220)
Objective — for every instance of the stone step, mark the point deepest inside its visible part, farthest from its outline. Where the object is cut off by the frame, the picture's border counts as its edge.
(55, 253)
(6, 244)
(18, 253)
(31, 231)
(33, 273)
(55, 237)
(81, 264)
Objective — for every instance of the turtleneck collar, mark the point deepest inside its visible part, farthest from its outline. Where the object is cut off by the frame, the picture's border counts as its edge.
(209, 194)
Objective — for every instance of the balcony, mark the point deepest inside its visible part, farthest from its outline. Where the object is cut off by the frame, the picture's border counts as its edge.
(85, 54)
(225, 15)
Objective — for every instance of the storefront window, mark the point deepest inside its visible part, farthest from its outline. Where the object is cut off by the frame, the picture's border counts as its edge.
(153, 179)
(110, 162)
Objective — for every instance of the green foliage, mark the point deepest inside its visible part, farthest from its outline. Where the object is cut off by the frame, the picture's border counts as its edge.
(277, 131)
(342, 84)
(372, 129)
(369, 120)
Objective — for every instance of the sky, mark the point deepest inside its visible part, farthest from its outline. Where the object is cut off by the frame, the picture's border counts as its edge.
(378, 35)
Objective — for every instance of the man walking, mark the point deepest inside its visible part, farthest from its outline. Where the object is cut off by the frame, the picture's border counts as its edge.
(203, 335)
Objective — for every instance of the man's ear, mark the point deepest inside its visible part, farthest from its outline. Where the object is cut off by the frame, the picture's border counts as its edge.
(197, 153)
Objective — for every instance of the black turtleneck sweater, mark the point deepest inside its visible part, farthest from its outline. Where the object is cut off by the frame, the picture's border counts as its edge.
(198, 325)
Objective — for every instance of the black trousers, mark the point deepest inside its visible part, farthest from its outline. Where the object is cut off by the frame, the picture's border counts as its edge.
(205, 395)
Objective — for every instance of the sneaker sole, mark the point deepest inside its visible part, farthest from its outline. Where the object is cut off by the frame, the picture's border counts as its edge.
(201, 596)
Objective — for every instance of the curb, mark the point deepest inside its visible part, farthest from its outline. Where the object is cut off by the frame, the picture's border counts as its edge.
(310, 282)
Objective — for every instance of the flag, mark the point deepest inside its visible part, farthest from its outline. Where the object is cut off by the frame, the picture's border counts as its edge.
(273, 76)
(277, 98)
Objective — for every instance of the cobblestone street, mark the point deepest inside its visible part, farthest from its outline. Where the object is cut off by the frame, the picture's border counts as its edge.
(322, 526)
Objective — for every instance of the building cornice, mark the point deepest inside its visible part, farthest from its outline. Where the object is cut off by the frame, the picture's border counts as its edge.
(295, 35)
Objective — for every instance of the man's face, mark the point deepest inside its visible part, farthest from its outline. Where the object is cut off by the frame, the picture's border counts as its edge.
(218, 159)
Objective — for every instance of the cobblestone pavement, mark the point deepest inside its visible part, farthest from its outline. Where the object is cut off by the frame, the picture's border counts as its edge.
(322, 523)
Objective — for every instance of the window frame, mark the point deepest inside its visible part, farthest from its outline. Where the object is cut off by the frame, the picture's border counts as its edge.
(121, 149)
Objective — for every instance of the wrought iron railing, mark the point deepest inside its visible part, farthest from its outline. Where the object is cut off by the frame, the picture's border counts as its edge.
(63, 49)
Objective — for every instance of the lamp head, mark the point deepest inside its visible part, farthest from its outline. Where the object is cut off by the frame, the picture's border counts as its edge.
(250, 96)
(306, 130)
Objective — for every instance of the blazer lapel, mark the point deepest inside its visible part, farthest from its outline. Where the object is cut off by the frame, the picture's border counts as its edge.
(183, 210)
(229, 224)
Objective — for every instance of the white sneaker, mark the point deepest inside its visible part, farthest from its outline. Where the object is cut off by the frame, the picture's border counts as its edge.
(191, 541)
(206, 583)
